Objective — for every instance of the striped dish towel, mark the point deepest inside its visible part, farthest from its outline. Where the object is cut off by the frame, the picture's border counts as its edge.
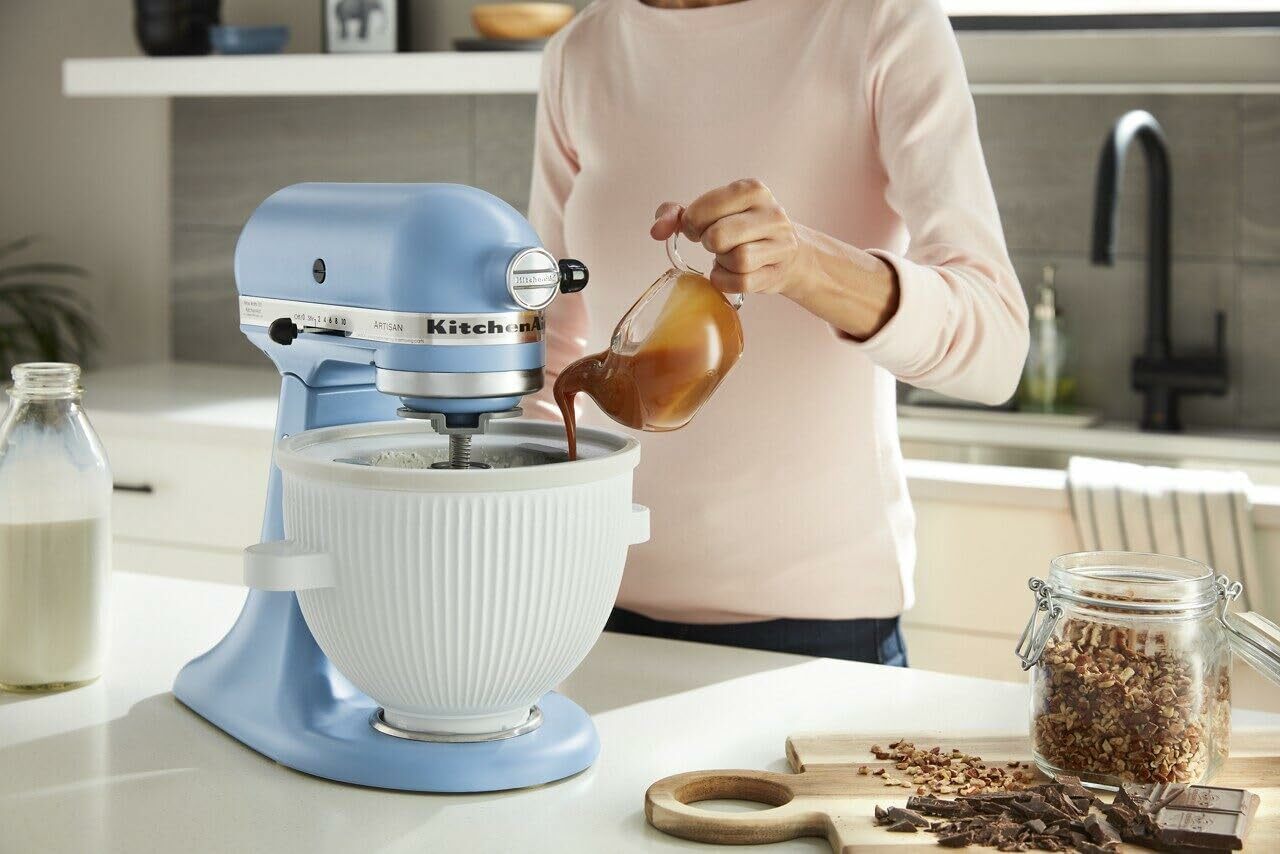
(1194, 513)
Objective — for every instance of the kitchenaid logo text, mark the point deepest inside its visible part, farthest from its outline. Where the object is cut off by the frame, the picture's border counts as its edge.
(546, 278)
(355, 323)
(488, 327)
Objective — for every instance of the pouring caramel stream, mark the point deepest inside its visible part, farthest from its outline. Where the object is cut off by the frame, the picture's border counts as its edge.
(656, 380)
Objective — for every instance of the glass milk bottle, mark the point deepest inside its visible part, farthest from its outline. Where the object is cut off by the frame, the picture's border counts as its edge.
(55, 540)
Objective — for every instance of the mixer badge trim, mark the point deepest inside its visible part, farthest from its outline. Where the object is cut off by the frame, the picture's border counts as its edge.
(397, 327)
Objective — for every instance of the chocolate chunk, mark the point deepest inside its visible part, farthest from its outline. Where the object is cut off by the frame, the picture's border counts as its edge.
(995, 796)
(937, 807)
(1120, 815)
(1165, 794)
(1087, 847)
(1100, 830)
(1083, 804)
(882, 815)
(903, 827)
(1036, 826)
(897, 814)
(1137, 797)
(956, 840)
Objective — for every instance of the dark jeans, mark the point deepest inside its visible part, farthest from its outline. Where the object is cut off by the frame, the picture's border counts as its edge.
(870, 640)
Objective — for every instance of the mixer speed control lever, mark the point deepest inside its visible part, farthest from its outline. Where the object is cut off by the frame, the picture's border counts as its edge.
(573, 276)
(283, 330)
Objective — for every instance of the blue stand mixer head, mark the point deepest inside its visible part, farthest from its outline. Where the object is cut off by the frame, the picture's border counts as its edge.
(440, 287)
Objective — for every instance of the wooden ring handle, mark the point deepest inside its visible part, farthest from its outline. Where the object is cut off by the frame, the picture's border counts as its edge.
(669, 805)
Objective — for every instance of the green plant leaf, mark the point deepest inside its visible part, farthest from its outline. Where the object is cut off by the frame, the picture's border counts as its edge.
(52, 291)
(45, 321)
(55, 319)
(16, 245)
(48, 267)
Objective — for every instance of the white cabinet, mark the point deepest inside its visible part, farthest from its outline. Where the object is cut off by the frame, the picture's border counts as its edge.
(190, 451)
(185, 507)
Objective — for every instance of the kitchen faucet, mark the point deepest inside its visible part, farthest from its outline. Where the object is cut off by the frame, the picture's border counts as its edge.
(1157, 373)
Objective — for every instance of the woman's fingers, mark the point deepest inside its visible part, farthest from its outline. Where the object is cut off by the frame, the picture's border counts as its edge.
(737, 229)
(666, 220)
(755, 255)
(723, 202)
(759, 281)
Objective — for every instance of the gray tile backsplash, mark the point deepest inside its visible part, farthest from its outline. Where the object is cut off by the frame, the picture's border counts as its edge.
(1260, 179)
(1042, 153)
(230, 154)
(1041, 150)
(1260, 321)
(503, 150)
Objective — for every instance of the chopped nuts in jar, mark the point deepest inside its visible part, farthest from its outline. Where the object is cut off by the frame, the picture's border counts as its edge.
(1129, 704)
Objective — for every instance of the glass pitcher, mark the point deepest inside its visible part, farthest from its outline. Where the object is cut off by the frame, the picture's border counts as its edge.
(668, 354)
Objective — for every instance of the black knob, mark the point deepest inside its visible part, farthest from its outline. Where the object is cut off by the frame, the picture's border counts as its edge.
(283, 331)
(573, 276)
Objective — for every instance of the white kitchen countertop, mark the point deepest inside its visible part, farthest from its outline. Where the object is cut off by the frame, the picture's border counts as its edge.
(121, 766)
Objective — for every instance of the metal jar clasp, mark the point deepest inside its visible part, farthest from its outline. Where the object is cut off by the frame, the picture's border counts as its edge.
(1039, 628)
(1228, 592)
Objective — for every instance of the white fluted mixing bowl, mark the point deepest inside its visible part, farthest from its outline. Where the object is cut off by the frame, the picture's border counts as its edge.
(454, 599)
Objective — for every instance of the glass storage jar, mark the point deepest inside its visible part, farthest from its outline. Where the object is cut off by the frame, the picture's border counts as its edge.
(1130, 659)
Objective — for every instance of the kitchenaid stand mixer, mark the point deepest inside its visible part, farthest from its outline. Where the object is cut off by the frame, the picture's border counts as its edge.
(377, 300)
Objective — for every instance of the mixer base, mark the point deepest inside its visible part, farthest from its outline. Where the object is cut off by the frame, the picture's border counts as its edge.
(268, 685)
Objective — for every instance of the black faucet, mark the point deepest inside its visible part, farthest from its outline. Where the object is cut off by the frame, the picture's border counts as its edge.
(1158, 374)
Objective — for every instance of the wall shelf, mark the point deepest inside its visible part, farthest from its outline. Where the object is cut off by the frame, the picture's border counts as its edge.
(442, 73)
(1103, 62)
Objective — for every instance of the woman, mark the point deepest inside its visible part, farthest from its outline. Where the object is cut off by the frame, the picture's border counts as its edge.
(780, 515)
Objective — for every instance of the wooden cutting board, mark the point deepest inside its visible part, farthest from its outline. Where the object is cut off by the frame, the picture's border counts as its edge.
(826, 797)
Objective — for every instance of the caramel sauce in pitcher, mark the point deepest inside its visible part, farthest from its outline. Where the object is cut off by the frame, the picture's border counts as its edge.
(657, 380)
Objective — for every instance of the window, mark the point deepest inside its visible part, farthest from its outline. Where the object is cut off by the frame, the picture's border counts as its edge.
(1111, 14)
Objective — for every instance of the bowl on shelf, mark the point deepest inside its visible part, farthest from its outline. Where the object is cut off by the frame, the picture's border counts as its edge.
(246, 40)
(175, 27)
(520, 20)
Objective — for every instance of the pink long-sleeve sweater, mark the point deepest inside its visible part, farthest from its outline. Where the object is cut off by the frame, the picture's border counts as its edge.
(785, 496)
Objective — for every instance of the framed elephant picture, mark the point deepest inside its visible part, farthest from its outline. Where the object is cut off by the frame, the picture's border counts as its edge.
(365, 26)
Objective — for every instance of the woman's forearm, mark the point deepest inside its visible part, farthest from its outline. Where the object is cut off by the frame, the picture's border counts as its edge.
(853, 290)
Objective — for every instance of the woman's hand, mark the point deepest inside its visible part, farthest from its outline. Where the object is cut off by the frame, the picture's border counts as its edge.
(756, 245)
(759, 250)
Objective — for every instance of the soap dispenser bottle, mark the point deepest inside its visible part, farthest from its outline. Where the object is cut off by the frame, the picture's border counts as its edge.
(1048, 380)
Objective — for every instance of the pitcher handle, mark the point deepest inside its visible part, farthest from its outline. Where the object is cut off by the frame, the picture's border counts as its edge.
(673, 255)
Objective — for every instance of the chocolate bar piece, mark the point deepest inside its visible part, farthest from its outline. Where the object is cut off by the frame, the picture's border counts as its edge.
(1223, 826)
(1181, 818)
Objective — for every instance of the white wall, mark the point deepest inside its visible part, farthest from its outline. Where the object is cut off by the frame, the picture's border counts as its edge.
(91, 176)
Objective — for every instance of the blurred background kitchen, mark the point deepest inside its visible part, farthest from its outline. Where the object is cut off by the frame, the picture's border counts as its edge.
(140, 172)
